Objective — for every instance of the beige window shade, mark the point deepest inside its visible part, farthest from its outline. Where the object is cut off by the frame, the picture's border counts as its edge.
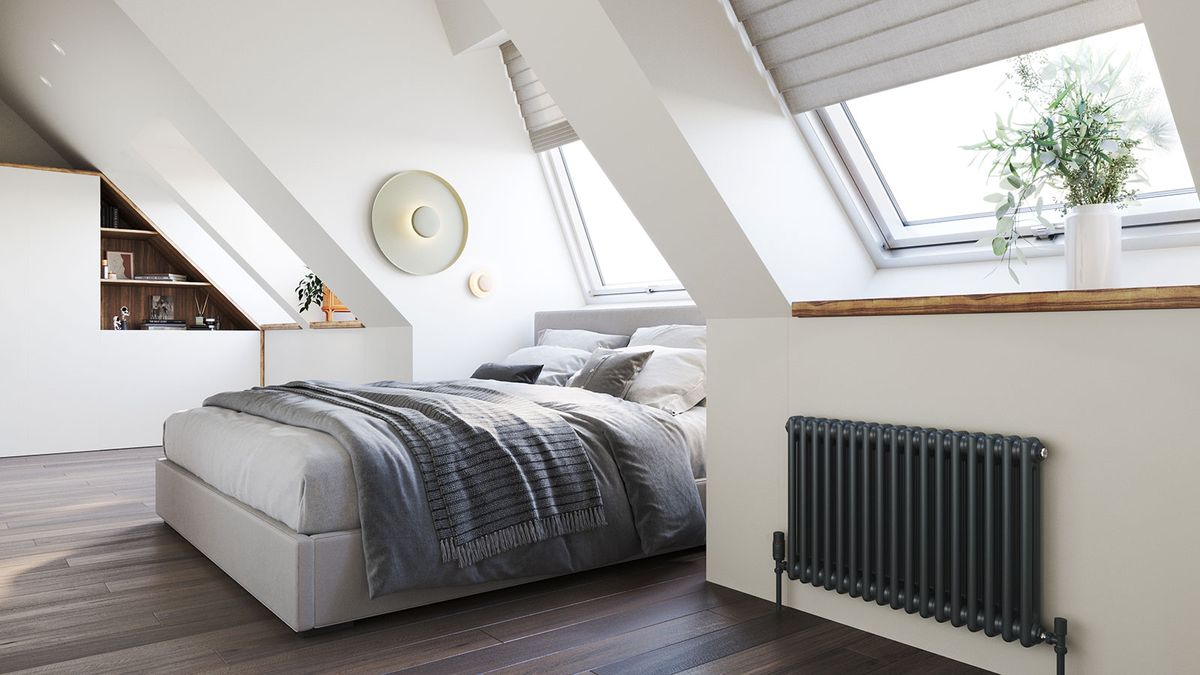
(547, 126)
(821, 53)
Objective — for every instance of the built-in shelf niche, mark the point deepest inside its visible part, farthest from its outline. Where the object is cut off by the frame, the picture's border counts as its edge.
(131, 231)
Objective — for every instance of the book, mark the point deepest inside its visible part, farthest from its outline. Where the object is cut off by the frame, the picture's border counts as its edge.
(161, 326)
(161, 277)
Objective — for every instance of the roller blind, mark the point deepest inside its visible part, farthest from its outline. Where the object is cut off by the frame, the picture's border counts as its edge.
(821, 53)
(547, 126)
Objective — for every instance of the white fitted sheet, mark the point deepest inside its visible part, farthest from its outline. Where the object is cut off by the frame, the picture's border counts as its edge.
(300, 477)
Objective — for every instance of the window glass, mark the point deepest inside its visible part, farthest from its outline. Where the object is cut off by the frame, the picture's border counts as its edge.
(623, 253)
(915, 134)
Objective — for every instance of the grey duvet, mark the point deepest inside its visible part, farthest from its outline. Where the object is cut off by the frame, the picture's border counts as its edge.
(634, 494)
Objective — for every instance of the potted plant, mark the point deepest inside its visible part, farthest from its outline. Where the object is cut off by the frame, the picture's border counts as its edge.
(1077, 126)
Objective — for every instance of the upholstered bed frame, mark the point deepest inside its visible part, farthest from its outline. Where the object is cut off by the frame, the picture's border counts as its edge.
(311, 581)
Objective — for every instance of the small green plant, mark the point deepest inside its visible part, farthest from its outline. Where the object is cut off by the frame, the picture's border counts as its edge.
(1079, 122)
(310, 291)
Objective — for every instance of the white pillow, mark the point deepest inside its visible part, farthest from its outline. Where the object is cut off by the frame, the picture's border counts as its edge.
(558, 363)
(681, 337)
(586, 340)
(672, 380)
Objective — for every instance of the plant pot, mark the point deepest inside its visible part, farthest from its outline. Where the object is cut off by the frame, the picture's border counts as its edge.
(1093, 247)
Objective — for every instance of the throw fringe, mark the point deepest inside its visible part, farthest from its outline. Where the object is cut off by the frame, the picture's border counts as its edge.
(528, 532)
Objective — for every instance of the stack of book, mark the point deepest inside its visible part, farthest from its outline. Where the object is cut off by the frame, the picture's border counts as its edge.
(165, 324)
(160, 277)
(109, 216)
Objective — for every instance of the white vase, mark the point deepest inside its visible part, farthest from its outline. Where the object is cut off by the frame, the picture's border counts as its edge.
(1093, 248)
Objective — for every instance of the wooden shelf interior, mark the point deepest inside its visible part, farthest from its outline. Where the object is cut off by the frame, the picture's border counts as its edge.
(153, 254)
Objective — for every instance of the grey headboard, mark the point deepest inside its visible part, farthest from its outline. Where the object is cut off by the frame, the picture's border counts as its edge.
(617, 320)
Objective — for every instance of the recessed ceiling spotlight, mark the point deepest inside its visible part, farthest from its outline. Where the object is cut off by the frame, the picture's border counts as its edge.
(58, 48)
(45, 81)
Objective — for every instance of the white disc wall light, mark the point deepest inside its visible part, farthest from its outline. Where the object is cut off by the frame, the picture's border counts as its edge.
(419, 222)
(480, 284)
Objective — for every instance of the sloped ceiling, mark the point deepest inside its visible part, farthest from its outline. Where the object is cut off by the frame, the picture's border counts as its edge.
(107, 85)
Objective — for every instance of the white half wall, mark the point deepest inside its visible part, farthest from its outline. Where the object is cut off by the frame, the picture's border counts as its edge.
(67, 385)
(355, 355)
(1112, 395)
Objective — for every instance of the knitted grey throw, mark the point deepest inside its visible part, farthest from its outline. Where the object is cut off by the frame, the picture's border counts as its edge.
(499, 471)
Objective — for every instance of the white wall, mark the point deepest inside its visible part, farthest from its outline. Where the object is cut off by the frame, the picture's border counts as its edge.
(20, 144)
(1113, 396)
(67, 385)
(334, 98)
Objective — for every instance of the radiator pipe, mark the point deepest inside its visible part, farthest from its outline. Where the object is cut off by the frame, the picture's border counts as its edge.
(1059, 639)
(777, 552)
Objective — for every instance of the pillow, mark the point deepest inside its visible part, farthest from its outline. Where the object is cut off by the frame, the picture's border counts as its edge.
(611, 371)
(558, 363)
(672, 380)
(581, 339)
(506, 373)
(680, 337)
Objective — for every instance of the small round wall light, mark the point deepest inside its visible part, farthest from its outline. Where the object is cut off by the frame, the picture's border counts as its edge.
(480, 284)
(419, 222)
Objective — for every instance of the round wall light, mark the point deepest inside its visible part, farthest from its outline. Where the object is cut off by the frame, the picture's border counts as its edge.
(419, 222)
(480, 284)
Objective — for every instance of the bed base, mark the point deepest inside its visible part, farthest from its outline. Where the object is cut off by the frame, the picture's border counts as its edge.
(308, 581)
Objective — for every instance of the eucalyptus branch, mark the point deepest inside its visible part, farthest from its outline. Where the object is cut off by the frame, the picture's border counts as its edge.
(1086, 125)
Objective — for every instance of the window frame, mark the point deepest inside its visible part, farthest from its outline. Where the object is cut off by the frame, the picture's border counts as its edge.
(1171, 213)
(583, 256)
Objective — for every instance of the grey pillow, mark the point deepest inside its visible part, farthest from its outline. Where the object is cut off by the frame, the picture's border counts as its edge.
(586, 340)
(611, 371)
(525, 374)
(559, 363)
(673, 335)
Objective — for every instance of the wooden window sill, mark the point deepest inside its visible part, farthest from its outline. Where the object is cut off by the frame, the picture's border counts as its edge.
(1158, 297)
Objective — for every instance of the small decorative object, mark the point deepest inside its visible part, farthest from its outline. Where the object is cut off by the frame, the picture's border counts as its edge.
(331, 304)
(1078, 126)
(162, 308)
(201, 310)
(120, 264)
(419, 222)
(480, 284)
(121, 321)
(104, 269)
(213, 323)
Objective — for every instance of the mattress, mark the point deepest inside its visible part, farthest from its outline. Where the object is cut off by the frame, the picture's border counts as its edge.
(300, 477)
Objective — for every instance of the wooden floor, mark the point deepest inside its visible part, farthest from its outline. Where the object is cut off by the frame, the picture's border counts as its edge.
(92, 581)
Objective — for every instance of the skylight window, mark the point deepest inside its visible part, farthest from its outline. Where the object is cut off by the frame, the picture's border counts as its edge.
(904, 147)
(616, 255)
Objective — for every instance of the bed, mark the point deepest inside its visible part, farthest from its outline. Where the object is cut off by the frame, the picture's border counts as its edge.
(275, 505)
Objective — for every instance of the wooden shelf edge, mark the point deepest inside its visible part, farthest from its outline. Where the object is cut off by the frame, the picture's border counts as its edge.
(1108, 299)
(279, 326)
(335, 324)
(126, 233)
(148, 282)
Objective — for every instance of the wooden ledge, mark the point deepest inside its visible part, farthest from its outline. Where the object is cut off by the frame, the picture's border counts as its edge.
(336, 324)
(279, 326)
(1158, 297)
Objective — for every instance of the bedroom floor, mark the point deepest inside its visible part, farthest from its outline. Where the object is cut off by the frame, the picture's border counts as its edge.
(92, 581)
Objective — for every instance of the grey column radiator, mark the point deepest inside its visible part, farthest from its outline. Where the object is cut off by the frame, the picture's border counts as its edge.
(943, 524)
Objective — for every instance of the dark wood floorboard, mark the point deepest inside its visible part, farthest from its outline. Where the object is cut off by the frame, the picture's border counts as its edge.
(91, 581)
